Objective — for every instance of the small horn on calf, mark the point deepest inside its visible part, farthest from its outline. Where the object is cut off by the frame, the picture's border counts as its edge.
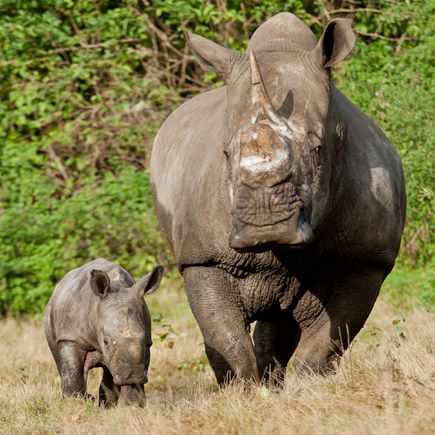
(262, 108)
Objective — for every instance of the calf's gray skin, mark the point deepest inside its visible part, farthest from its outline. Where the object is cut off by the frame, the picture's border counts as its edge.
(280, 200)
(97, 317)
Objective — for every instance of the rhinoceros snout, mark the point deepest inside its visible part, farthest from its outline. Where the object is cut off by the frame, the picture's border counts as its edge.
(131, 375)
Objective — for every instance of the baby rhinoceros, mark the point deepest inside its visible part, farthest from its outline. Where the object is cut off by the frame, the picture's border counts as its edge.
(97, 317)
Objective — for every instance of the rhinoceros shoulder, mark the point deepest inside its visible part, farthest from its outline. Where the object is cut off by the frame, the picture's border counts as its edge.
(183, 149)
(186, 168)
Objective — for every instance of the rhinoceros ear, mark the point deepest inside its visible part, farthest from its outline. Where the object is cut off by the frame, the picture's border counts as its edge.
(336, 43)
(100, 283)
(211, 56)
(149, 283)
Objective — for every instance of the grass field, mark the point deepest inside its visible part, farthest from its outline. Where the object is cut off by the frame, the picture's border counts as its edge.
(385, 384)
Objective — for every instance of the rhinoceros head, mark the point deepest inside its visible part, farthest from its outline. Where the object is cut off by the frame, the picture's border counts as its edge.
(124, 325)
(284, 128)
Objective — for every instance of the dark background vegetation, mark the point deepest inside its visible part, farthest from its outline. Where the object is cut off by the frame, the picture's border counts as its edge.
(85, 85)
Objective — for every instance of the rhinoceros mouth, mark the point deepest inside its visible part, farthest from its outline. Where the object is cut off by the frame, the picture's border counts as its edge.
(243, 239)
(269, 217)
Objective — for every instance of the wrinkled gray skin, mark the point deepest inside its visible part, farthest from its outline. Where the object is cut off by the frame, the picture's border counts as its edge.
(97, 317)
(281, 202)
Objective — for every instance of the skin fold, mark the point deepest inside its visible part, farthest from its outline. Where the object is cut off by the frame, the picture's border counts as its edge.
(280, 200)
(97, 317)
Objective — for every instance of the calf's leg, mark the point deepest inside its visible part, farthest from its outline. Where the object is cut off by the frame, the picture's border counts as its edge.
(109, 391)
(72, 363)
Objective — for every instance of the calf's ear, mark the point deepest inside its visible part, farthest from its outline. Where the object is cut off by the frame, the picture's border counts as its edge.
(149, 283)
(100, 283)
(211, 56)
(336, 43)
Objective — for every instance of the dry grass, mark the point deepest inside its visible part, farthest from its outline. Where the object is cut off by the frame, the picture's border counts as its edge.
(385, 385)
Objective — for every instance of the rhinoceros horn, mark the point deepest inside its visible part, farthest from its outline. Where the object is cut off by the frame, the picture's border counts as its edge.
(262, 108)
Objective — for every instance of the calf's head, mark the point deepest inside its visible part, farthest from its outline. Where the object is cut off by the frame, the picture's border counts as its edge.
(284, 129)
(123, 325)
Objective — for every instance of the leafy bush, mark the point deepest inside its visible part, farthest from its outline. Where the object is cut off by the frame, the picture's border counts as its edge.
(78, 117)
(394, 85)
(86, 85)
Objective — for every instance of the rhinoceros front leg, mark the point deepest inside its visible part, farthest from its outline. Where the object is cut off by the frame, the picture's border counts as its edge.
(326, 337)
(218, 311)
(109, 391)
(72, 369)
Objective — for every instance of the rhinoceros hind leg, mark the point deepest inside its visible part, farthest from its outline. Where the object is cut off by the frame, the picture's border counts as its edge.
(351, 300)
(217, 309)
(72, 362)
(274, 345)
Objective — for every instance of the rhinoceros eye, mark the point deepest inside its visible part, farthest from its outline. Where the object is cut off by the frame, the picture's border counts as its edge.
(106, 342)
(316, 156)
(227, 154)
(316, 150)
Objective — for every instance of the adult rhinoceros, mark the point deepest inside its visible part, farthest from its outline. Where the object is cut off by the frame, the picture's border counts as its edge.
(281, 202)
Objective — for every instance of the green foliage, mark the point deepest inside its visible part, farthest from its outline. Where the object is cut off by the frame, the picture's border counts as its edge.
(393, 84)
(198, 365)
(165, 332)
(43, 236)
(84, 87)
(410, 287)
(78, 116)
